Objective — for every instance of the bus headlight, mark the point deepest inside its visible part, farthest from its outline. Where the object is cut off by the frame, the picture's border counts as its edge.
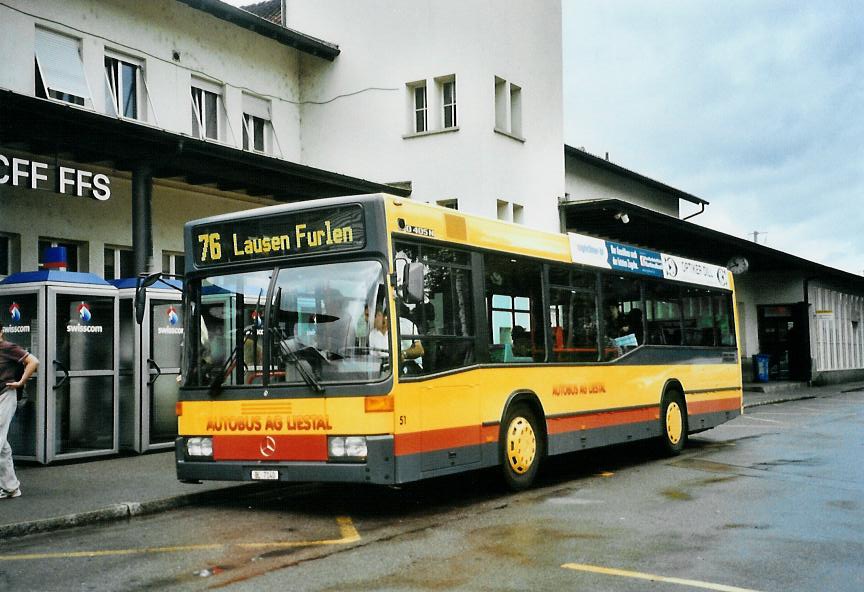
(199, 446)
(347, 447)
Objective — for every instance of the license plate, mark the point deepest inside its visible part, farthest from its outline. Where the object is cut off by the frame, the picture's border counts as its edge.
(265, 475)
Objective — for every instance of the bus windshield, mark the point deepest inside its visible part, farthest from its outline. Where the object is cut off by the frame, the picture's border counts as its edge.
(318, 325)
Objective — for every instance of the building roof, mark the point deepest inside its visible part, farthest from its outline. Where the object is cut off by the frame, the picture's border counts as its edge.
(269, 9)
(258, 23)
(588, 158)
(44, 127)
(650, 229)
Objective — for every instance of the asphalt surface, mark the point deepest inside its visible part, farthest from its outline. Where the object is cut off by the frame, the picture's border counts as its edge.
(118, 488)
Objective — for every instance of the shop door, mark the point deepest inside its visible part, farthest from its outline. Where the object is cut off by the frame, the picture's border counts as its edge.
(163, 347)
(82, 401)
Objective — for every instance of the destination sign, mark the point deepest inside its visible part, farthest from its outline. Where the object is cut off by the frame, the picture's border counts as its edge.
(305, 232)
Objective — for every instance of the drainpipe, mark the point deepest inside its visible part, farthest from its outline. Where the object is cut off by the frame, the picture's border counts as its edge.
(702, 209)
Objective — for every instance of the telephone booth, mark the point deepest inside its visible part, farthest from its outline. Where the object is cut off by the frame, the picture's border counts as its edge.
(150, 355)
(68, 320)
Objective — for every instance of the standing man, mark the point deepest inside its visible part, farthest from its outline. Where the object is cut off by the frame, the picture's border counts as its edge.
(10, 356)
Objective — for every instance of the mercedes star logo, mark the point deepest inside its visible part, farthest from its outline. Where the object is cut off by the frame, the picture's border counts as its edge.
(268, 446)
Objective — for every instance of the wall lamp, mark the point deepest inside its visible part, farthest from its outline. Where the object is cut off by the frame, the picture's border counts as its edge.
(625, 219)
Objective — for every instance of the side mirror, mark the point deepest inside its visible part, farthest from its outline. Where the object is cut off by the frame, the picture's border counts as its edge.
(145, 281)
(413, 283)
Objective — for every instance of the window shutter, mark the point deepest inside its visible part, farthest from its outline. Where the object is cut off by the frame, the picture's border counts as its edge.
(60, 63)
(256, 106)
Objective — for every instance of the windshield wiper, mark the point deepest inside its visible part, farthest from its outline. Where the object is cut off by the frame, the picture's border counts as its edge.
(304, 368)
(218, 378)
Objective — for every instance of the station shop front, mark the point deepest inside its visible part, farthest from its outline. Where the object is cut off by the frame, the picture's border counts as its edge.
(115, 195)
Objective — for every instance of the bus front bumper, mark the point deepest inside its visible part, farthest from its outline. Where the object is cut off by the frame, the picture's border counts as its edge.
(378, 467)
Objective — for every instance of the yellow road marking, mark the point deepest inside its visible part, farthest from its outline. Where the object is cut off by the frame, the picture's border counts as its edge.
(643, 576)
(347, 530)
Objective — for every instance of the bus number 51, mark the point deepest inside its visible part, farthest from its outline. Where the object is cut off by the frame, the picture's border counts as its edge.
(211, 246)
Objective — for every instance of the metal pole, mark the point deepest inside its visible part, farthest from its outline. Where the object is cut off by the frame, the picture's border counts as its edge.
(142, 226)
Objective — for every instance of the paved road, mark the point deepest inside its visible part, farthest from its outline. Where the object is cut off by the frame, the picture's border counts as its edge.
(771, 501)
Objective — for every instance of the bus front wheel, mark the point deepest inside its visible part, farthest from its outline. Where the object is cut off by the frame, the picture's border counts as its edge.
(673, 423)
(521, 447)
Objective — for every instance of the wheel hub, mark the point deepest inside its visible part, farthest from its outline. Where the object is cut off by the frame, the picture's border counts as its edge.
(674, 423)
(521, 445)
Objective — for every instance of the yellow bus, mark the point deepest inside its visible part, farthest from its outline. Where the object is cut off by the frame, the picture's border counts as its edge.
(381, 340)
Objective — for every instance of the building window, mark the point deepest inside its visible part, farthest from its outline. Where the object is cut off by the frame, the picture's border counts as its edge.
(71, 253)
(5, 255)
(504, 213)
(173, 263)
(421, 108)
(60, 69)
(448, 101)
(452, 204)
(518, 214)
(123, 82)
(206, 108)
(508, 109)
(257, 128)
(119, 263)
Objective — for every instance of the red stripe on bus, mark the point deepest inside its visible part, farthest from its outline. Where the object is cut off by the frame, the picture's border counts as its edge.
(601, 420)
(298, 448)
(413, 442)
(700, 407)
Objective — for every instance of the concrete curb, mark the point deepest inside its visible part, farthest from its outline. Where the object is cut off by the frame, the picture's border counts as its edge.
(778, 400)
(121, 511)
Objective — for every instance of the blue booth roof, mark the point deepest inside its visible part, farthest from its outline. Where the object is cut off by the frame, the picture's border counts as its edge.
(52, 275)
(133, 283)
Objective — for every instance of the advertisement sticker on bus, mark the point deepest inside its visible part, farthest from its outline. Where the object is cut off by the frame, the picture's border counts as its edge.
(696, 272)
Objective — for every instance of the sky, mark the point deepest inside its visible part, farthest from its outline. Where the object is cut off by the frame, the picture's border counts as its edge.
(755, 106)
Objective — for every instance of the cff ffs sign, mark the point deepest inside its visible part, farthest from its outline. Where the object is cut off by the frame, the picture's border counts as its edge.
(20, 172)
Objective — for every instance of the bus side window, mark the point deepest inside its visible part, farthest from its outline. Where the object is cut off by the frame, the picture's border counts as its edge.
(443, 324)
(514, 303)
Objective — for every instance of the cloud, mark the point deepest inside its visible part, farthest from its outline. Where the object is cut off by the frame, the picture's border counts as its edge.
(756, 107)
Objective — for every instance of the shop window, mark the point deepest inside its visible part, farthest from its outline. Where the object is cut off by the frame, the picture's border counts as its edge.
(663, 314)
(173, 263)
(60, 69)
(443, 324)
(206, 109)
(514, 301)
(257, 127)
(71, 252)
(573, 315)
(124, 87)
(623, 319)
(119, 263)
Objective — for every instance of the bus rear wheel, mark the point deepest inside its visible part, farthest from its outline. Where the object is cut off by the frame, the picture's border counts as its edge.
(521, 447)
(673, 423)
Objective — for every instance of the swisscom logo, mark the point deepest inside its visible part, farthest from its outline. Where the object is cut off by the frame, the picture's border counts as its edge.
(85, 317)
(173, 320)
(15, 317)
